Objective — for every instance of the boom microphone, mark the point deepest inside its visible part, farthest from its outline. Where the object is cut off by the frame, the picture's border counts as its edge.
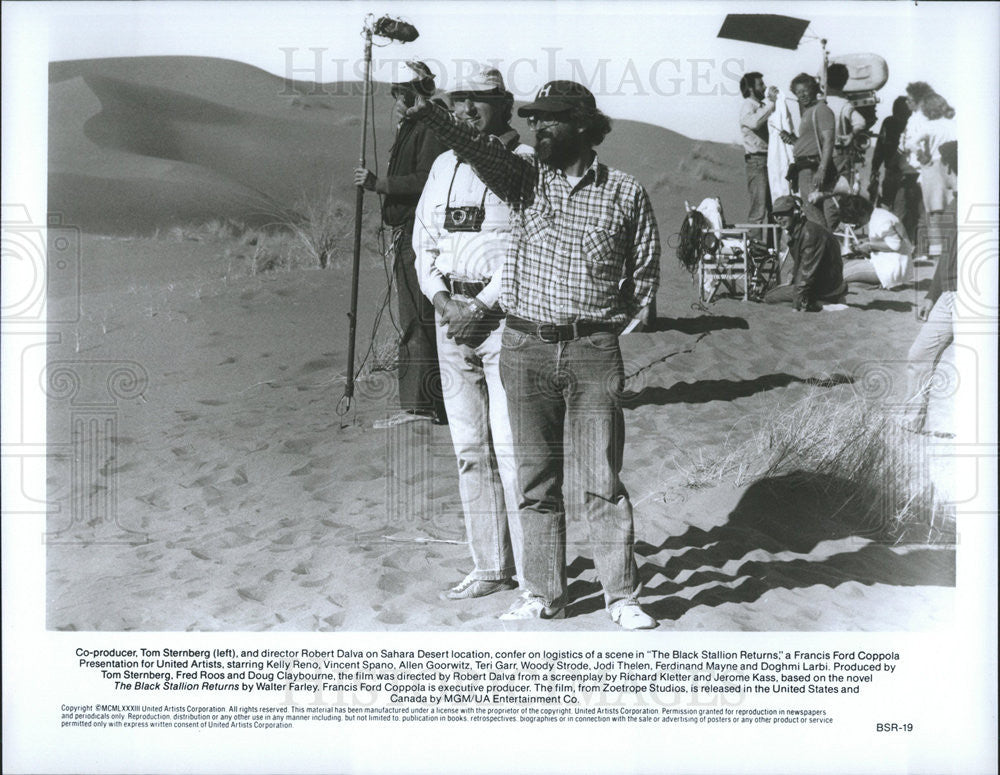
(395, 29)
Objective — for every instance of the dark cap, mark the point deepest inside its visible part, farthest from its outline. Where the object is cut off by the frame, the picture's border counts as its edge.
(422, 80)
(785, 204)
(557, 97)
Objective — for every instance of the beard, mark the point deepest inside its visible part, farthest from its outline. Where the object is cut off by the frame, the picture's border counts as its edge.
(553, 148)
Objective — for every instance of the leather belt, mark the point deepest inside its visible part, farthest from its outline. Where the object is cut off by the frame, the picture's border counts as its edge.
(464, 288)
(552, 333)
(754, 153)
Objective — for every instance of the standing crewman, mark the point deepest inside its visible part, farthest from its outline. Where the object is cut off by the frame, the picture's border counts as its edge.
(461, 236)
(757, 107)
(813, 149)
(413, 152)
(584, 263)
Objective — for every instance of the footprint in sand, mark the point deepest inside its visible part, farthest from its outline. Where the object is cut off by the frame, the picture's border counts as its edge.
(393, 583)
(298, 446)
(363, 472)
(391, 617)
(316, 583)
(156, 499)
(334, 621)
(107, 470)
(316, 365)
(324, 461)
(249, 594)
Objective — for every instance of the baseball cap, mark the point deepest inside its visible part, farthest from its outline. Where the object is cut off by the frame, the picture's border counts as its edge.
(785, 204)
(485, 81)
(557, 97)
(422, 80)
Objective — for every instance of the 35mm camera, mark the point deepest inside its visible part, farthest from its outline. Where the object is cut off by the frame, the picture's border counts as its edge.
(468, 218)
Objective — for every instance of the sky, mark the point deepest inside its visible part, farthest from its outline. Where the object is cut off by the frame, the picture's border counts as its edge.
(660, 62)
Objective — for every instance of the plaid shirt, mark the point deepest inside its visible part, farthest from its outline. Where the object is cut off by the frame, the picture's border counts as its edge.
(585, 252)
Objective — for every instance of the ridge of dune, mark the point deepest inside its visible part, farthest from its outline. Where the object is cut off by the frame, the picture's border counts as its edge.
(264, 134)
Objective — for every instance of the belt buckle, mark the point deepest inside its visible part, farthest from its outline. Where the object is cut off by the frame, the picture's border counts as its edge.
(548, 332)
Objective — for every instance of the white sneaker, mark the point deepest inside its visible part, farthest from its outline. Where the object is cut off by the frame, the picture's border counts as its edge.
(401, 418)
(530, 606)
(629, 615)
(471, 586)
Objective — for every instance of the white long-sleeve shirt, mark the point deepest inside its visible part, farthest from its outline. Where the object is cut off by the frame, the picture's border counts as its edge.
(461, 255)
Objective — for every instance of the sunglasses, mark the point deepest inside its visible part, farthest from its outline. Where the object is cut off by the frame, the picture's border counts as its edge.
(547, 120)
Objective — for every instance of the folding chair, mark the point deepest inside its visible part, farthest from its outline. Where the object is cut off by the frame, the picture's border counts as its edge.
(736, 263)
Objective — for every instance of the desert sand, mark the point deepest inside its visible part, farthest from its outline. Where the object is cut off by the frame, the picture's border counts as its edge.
(204, 477)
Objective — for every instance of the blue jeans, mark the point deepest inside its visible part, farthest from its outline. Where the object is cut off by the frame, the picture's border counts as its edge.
(569, 435)
(480, 433)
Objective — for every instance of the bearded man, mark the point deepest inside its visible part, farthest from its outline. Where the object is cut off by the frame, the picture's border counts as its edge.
(583, 265)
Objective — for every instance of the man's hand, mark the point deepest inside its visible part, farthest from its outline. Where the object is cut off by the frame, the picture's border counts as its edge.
(643, 321)
(924, 310)
(816, 196)
(772, 93)
(364, 178)
(471, 325)
(863, 246)
(421, 107)
(447, 308)
(787, 137)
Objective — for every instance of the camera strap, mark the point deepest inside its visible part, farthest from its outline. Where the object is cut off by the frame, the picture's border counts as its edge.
(454, 172)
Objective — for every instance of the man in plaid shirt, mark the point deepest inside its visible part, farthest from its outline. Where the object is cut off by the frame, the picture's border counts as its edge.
(583, 266)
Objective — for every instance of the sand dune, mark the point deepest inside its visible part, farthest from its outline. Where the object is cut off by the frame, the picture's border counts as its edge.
(276, 144)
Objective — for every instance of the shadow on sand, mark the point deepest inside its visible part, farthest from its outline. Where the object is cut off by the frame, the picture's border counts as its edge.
(792, 513)
(699, 325)
(884, 305)
(705, 390)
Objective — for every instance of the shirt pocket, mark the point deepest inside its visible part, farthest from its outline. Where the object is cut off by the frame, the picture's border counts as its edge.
(602, 246)
(537, 226)
(537, 229)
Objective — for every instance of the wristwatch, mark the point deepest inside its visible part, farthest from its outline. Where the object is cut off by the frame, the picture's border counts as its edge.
(476, 306)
